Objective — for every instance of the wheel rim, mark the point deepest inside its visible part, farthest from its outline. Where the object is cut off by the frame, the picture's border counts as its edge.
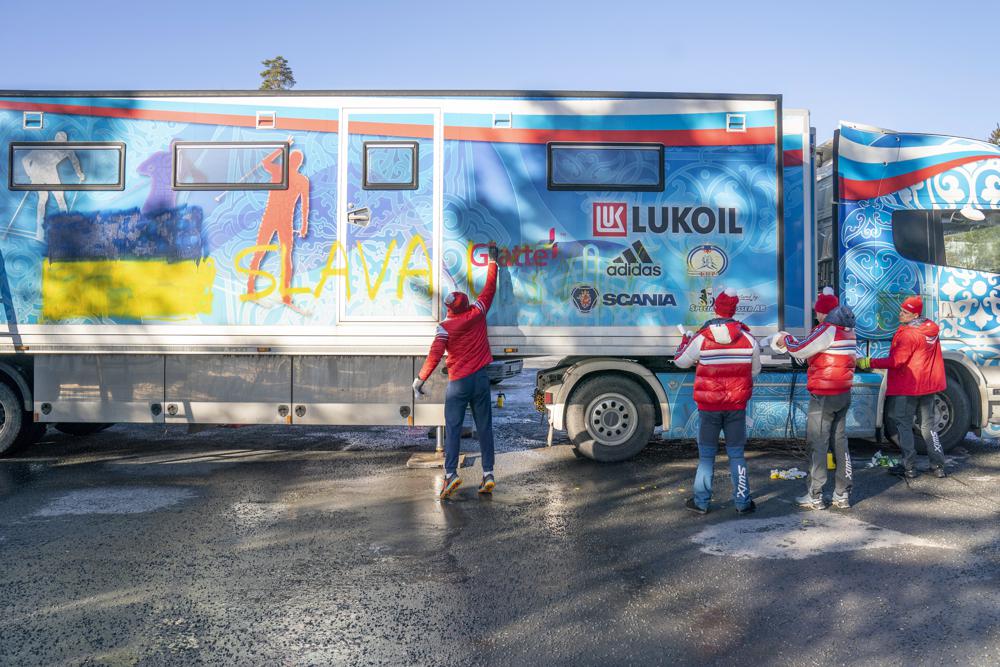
(942, 413)
(612, 419)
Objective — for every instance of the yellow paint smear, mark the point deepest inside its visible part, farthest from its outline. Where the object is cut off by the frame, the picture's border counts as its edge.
(132, 289)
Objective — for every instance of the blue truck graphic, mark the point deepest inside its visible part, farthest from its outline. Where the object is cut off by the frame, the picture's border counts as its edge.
(183, 257)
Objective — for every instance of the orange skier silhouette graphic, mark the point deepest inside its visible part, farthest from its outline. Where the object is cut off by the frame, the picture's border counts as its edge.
(279, 218)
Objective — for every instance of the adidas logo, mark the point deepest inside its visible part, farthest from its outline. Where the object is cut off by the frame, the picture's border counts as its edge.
(635, 261)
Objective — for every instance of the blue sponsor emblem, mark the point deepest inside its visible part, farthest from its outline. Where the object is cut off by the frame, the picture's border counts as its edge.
(584, 298)
(707, 260)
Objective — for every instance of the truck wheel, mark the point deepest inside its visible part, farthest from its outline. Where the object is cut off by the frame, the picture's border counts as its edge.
(952, 415)
(12, 418)
(609, 418)
(80, 428)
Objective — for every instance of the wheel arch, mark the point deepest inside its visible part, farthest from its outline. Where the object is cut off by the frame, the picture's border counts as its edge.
(972, 382)
(602, 367)
(13, 376)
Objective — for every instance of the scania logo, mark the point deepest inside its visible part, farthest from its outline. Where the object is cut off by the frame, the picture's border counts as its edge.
(634, 261)
(616, 219)
(707, 260)
(584, 298)
(624, 299)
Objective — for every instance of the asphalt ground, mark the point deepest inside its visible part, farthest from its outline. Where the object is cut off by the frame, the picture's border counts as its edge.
(146, 545)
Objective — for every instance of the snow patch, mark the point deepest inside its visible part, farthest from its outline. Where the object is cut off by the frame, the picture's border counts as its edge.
(132, 500)
(796, 537)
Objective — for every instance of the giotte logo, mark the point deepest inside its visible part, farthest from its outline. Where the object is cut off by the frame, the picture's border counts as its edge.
(584, 298)
(657, 300)
(614, 219)
(538, 254)
(707, 260)
(635, 261)
(610, 219)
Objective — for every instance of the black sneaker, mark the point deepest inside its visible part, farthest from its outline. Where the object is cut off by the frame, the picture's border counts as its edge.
(900, 471)
(450, 484)
(940, 473)
(487, 485)
(749, 509)
(690, 504)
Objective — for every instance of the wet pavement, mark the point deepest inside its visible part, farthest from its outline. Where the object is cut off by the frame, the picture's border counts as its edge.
(277, 546)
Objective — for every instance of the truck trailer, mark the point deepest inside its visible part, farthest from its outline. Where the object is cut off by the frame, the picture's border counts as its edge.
(261, 257)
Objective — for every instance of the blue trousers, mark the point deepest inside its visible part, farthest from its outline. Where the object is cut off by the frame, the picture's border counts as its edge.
(472, 390)
(711, 424)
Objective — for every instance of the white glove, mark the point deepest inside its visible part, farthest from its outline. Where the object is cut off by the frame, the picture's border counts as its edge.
(778, 341)
(418, 388)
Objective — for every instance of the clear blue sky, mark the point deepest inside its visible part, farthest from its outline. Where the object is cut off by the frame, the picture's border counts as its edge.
(919, 66)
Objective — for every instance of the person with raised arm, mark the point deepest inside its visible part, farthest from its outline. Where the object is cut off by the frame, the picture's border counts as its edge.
(463, 335)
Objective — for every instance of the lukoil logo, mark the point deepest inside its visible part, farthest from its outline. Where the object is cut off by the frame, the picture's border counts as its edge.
(584, 298)
(634, 261)
(707, 260)
(610, 219)
(614, 219)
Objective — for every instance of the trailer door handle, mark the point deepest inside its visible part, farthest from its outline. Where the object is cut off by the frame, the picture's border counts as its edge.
(359, 216)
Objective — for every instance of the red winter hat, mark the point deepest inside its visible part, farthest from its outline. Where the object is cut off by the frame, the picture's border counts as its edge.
(725, 303)
(913, 304)
(826, 301)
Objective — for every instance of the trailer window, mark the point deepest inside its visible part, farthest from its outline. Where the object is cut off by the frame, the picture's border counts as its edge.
(946, 237)
(633, 167)
(391, 165)
(244, 165)
(66, 165)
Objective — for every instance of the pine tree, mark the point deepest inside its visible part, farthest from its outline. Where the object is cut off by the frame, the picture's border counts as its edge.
(277, 75)
(994, 137)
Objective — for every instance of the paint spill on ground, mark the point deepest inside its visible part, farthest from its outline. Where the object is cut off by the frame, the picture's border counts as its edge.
(133, 500)
(799, 536)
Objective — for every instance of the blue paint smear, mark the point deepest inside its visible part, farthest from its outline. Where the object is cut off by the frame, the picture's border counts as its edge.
(172, 234)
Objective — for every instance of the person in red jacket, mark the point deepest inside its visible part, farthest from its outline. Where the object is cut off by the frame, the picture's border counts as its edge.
(915, 372)
(728, 359)
(830, 352)
(464, 337)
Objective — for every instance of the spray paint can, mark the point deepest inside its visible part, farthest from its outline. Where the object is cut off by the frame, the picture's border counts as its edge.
(500, 399)
(830, 463)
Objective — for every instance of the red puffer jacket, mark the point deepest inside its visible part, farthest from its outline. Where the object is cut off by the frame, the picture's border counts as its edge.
(831, 351)
(916, 367)
(728, 358)
(463, 334)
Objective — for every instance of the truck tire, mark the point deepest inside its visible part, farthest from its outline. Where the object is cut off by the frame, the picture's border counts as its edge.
(952, 416)
(12, 420)
(609, 418)
(81, 428)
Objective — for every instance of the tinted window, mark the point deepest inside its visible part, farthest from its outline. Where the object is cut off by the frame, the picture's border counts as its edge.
(946, 237)
(390, 165)
(66, 165)
(230, 166)
(637, 167)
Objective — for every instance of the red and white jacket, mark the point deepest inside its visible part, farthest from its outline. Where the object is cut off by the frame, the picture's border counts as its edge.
(728, 359)
(463, 334)
(915, 362)
(831, 352)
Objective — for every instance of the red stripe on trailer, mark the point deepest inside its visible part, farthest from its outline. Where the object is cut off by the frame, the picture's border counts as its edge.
(284, 123)
(718, 137)
(793, 158)
(753, 136)
(858, 190)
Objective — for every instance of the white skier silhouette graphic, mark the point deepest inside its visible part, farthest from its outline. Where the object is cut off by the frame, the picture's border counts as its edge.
(42, 168)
